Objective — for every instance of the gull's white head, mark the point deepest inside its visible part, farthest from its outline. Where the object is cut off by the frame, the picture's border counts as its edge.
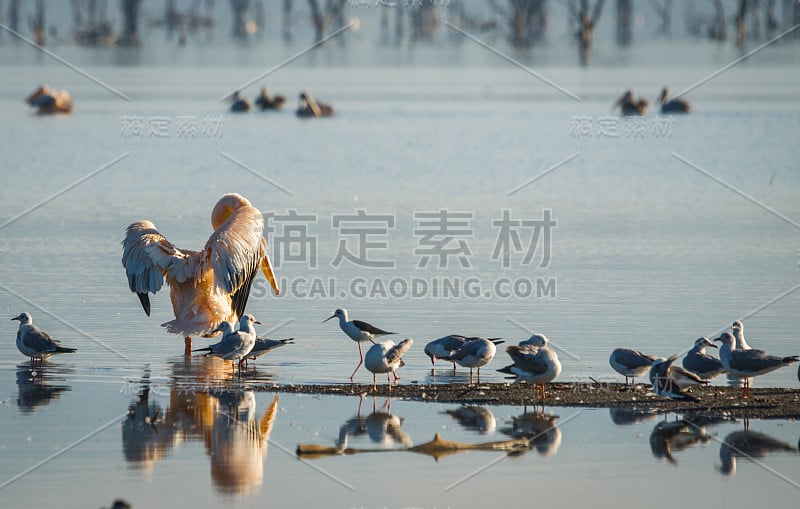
(737, 327)
(704, 342)
(248, 320)
(23, 318)
(227, 205)
(339, 313)
(726, 338)
(224, 327)
(538, 340)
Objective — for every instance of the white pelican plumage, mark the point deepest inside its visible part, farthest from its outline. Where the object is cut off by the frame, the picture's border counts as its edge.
(207, 287)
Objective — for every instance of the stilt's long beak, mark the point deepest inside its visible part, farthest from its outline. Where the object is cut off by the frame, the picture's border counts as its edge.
(266, 268)
(323, 321)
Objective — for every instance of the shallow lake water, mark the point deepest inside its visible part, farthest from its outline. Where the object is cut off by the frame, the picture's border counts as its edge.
(661, 236)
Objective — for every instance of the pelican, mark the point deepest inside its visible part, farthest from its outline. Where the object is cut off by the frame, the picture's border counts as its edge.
(673, 106)
(385, 357)
(308, 107)
(265, 102)
(34, 343)
(207, 287)
(629, 106)
(240, 104)
(50, 101)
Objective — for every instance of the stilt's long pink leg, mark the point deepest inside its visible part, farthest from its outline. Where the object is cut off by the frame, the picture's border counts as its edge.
(360, 362)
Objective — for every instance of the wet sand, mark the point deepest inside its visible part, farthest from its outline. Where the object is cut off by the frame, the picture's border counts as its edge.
(713, 401)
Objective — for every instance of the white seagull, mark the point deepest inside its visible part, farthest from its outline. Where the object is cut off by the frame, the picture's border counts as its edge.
(34, 343)
(235, 345)
(207, 287)
(738, 332)
(385, 357)
(446, 346)
(358, 331)
(474, 354)
(630, 363)
(700, 363)
(664, 384)
(535, 363)
(748, 363)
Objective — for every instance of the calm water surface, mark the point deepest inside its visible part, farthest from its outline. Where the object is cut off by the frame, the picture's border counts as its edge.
(648, 252)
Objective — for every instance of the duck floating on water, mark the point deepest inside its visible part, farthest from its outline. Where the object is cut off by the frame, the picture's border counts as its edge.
(50, 101)
(308, 107)
(265, 102)
(674, 105)
(239, 104)
(631, 106)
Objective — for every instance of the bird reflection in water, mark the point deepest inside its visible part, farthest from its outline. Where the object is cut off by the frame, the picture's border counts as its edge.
(538, 428)
(474, 418)
(33, 389)
(381, 427)
(671, 437)
(224, 419)
(751, 445)
(627, 416)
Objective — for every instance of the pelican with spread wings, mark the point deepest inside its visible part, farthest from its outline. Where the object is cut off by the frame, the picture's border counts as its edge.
(207, 287)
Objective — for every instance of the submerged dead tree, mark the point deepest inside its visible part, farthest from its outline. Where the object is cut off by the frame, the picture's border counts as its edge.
(130, 23)
(664, 12)
(322, 18)
(624, 22)
(36, 23)
(527, 21)
(586, 18)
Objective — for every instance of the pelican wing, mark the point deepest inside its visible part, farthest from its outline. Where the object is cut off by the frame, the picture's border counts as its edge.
(235, 252)
(147, 256)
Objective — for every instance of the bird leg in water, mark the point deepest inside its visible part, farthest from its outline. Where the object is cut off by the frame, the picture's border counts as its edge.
(389, 381)
(374, 383)
(187, 345)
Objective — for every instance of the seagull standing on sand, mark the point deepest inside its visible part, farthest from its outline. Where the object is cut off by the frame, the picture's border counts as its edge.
(235, 344)
(386, 357)
(446, 346)
(748, 363)
(474, 354)
(206, 287)
(358, 331)
(630, 363)
(34, 343)
(665, 385)
(700, 363)
(534, 362)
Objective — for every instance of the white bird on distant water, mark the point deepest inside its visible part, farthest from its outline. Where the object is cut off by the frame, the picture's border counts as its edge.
(358, 331)
(385, 357)
(630, 363)
(534, 363)
(34, 343)
(664, 384)
(206, 287)
(748, 363)
(474, 354)
(700, 363)
(235, 344)
(446, 346)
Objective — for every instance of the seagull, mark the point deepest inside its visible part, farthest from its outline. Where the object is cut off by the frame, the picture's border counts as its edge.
(235, 345)
(265, 345)
(673, 106)
(358, 331)
(240, 104)
(386, 357)
(535, 341)
(206, 287)
(748, 363)
(536, 363)
(35, 343)
(265, 102)
(700, 363)
(446, 346)
(738, 332)
(664, 384)
(474, 354)
(630, 363)
(310, 108)
(50, 101)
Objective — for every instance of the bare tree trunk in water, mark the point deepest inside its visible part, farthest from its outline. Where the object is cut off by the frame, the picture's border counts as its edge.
(624, 22)
(130, 14)
(287, 20)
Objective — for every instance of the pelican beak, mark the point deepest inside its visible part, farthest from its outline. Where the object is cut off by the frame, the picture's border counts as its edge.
(266, 268)
(325, 320)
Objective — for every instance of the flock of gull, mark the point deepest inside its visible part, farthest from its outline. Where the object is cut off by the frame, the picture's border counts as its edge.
(209, 290)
